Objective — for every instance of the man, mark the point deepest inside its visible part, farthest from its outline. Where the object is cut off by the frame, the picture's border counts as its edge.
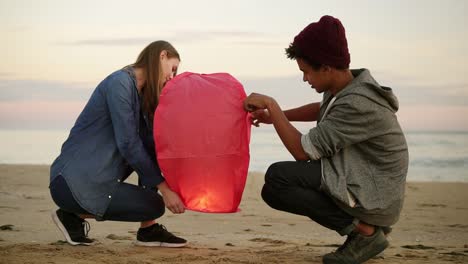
(350, 170)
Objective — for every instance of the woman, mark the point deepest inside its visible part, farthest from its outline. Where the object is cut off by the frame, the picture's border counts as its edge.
(111, 138)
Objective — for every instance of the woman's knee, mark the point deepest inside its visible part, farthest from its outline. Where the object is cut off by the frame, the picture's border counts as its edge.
(159, 208)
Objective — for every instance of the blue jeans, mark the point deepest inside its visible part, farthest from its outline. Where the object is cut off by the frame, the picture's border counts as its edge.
(129, 203)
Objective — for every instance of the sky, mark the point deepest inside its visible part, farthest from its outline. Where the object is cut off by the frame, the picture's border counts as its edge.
(54, 53)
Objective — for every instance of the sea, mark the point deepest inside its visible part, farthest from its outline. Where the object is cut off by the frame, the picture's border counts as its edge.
(440, 156)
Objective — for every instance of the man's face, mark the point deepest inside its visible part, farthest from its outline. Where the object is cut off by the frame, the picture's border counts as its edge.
(318, 79)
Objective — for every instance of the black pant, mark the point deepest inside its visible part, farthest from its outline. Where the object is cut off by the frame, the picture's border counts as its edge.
(130, 203)
(294, 187)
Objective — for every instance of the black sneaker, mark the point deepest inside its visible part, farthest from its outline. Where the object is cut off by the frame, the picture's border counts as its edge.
(348, 239)
(358, 249)
(73, 227)
(158, 236)
(386, 230)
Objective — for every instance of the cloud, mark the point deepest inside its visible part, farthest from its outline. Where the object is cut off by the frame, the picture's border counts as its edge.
(39, 114)
(261, 43)
(44, 104)
(288, 91)
(291, 90)
(20, 90)
(449, 94)
(433, 117)
(237, 37)
(108, 42)
(6, 75)
(410, 91)
(17, 28)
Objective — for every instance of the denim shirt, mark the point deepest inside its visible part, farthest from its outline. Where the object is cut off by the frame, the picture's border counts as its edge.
(110, 139)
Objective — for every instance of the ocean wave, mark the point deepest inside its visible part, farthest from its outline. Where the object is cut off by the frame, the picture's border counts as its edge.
(440, 163)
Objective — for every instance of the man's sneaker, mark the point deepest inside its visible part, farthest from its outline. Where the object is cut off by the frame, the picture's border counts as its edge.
(358, 249)
(158, 236)
(386, 230)
(73, 227)
(348, 239)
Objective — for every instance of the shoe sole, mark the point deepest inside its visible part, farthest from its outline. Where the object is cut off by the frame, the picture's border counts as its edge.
(158, 244)
(379, 251)
(62, 228)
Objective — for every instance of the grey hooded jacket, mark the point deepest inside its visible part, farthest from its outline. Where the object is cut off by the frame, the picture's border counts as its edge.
(362, 149)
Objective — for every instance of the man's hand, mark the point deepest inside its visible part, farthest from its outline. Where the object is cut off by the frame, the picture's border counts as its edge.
(256, 102)
(171, 199)
(260, 116)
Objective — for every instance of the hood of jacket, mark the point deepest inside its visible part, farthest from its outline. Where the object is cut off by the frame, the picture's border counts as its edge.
(365, 85)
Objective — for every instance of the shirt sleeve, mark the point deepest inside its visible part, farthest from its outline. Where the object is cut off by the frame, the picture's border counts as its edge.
(309, 148)
(348, 122)
(126, 129)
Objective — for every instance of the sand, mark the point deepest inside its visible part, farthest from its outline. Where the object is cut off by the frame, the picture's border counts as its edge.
(433, 228)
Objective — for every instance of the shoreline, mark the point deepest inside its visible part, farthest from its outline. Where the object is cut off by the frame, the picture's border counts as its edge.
(432, 229)
(250, 172)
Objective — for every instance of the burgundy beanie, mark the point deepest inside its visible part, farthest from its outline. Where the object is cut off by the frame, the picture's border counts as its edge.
(324, 42)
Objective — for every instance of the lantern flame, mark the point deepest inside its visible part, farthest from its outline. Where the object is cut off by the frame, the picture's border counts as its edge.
(204, 202)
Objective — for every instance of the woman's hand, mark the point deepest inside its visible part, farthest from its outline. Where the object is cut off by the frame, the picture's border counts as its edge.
(260, 116)
(171, 199)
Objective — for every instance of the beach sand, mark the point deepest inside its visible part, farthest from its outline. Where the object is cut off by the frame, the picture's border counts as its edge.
(433, 228)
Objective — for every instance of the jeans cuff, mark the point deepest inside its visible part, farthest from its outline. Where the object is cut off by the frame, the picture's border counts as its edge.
(350, 228)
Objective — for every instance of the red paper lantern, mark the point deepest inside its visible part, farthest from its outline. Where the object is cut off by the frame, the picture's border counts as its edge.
(202, 136)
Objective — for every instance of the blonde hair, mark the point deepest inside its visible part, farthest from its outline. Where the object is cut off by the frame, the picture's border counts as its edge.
(149, 60)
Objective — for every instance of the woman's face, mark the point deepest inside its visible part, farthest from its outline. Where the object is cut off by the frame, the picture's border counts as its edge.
(168, 67)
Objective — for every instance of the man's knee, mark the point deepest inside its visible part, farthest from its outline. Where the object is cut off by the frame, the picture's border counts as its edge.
(275, 174)
(269, 195)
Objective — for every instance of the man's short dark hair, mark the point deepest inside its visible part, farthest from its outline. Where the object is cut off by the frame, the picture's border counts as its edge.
(293, 53)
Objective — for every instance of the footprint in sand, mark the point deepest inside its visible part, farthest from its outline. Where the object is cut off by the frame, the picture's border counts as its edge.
(9, 207)
(268, 240)
(59, 243)
(454, 253)
(432, 205)
(8, 228)
(322, 245)
(116, 237)
(458, 225)
(247, 215)
(419, 246)
(30, 197)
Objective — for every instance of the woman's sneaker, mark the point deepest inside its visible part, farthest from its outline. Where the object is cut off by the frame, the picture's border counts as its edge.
(72, 227)
(158, 236)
